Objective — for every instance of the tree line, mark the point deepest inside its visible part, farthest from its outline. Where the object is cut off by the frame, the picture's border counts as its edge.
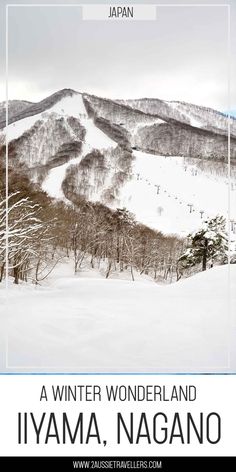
(42, 232)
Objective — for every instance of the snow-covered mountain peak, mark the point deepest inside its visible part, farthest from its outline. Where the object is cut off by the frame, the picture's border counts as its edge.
(27, 109)
(70, 105)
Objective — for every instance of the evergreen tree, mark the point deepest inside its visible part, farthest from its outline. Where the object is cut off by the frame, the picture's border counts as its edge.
(210, 243)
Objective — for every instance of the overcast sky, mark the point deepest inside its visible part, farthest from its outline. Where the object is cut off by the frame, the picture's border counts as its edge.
(180, 56)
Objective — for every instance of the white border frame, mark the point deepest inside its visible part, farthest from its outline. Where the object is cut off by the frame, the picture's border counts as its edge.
(169, 5)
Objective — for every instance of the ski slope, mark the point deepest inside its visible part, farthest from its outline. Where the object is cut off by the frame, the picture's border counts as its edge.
(94, 139)
(66, 106)
(90, 324)
(171, 194)
(168, 193)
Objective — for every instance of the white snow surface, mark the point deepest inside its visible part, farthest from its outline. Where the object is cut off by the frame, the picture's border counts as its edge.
(90, 324)
(181, 185)
(52, 184)
(16, 129)
(94, 139)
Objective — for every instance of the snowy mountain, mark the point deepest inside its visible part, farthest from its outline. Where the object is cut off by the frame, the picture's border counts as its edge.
(14, 108)
(164, 161)
(185, 113)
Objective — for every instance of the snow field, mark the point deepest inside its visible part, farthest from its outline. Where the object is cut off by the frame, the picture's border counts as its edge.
(86, 323)
(98, 325)
(180, 187)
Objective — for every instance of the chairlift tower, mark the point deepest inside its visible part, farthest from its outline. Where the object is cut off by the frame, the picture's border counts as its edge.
(190, 205)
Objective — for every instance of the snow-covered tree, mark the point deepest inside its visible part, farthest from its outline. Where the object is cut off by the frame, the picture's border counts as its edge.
(210, 243)
(22, 234)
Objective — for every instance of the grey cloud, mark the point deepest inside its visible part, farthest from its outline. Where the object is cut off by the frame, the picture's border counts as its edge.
(182, 56)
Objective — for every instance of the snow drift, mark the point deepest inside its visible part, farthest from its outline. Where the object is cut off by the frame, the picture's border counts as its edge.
(88, 324)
